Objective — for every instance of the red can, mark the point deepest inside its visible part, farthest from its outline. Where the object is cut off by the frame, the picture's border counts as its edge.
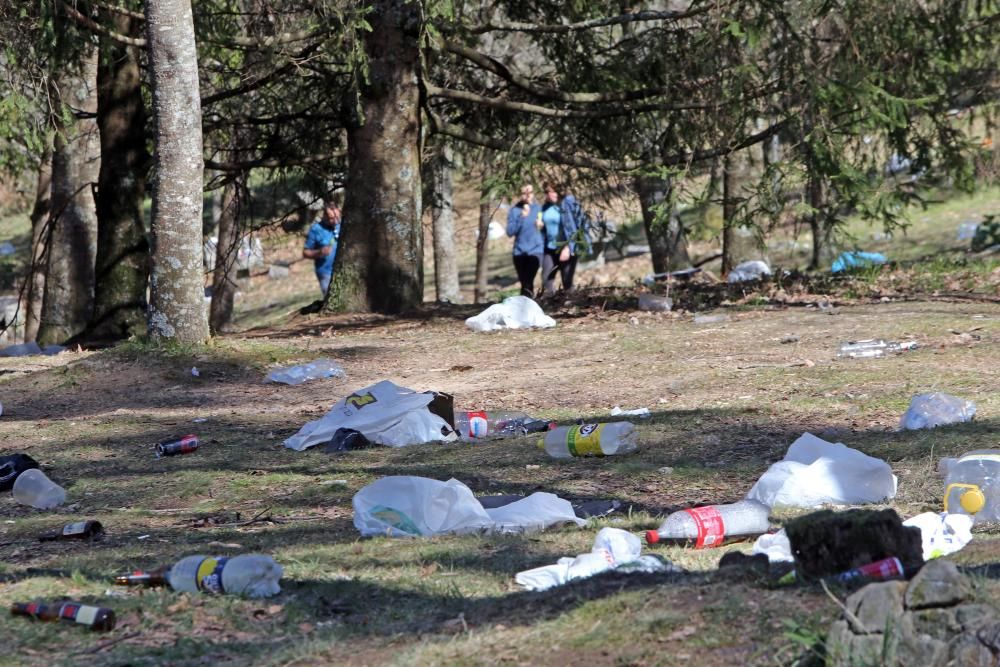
(887, 568)
(184, 445)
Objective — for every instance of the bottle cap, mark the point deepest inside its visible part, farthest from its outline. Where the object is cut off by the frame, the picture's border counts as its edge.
(972, 500)
(652, 537)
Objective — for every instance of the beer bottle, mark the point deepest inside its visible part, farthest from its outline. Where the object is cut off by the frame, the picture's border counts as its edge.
(96, 618)
(141, 578)
(81, 530)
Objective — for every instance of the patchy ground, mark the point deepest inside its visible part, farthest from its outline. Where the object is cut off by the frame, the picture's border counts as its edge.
(727, 399)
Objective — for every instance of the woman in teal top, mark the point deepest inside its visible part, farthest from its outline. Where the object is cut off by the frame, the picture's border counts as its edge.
(559, 226)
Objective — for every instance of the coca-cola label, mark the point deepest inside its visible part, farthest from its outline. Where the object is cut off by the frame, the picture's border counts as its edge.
(887, 568)
(78, 528)
(210, 574)
(710, 526)
(585, 440)
(479, 425)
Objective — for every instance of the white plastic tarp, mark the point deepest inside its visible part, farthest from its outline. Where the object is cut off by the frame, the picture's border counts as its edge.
(405, 506)
(516, 312)
(614, 549)
(815, 472)
(385, 413)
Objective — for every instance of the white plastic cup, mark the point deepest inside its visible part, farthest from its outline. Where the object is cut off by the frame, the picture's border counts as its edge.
(33, 488)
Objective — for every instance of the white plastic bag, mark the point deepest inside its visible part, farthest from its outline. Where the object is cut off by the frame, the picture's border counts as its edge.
(775, 546)
(942, 534)
(385, 413)
(752, 270)
(936, 409)
(614, 549)
(405, 506)
(314, 370)
(815, 472)
(516, 312)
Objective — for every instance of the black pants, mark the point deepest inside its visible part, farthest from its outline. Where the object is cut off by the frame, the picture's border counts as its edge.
(527, 268)
(551, 264)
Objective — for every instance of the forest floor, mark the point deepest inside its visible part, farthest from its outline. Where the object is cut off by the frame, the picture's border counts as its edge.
(727, 399)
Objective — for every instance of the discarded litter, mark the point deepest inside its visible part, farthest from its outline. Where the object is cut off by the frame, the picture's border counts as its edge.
(585, 509)
(590, 440)
(746, 271)
(405, 506)
(21, 350)
(711, 319)
(712, 525)
(346, 440)
(775, 546)
(385, 413)
(80, 530)
(252, 575)
(183, 445)
(277, 271)
(151, 579)
(637, 412)
(13, 465)
(880, 570)
(314, 370)
(972, 485)
(195, 372)
(942, 533)
(815, 472)
(655, 303)
(967, 230)
(857, 260)
(936, 409)
(516, 312)
(100, 619)
(683, 274)
(873, 349)
(614, 549)
(497, 423)
(33, 488)
(7, 248)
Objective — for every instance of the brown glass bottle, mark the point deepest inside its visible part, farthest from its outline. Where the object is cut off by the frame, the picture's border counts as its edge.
(100, 619)
(140, 578)
(81, 530)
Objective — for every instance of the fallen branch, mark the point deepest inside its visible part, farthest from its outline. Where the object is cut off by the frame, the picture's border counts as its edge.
(109, 643)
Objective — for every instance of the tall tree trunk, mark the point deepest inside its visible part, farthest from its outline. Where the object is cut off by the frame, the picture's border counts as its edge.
(36, 271)
(483, 245)
(72, 242)
(728, 213)
(380, 264)
(443, 216)
(664, 230)
(122, 245)
(177, 305)
(822, 230)
(227, 251)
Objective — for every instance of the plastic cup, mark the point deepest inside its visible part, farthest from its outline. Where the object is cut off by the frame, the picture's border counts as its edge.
(33, 488)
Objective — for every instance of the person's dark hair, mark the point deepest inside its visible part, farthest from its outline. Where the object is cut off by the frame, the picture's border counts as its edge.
(550, 185)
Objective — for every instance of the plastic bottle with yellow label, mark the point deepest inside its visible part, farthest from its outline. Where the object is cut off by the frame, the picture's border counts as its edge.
(590, 440)
(253, 575)
(972, 485)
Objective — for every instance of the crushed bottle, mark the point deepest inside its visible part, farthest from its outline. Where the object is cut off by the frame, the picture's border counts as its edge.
(314, 370)
(713, 525)
(590, 440)
(873, 349)
(936, 409)
(252, 575)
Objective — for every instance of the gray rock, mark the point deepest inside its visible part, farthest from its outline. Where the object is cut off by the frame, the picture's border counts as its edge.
(876, 606)
(967, 651)
(990, 636)
(939, 623)
(916, 649)
(846, 649)
(972, 616)
(937, 584)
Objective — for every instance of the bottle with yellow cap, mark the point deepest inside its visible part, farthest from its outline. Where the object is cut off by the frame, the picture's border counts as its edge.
(972, 485)
(590, 440)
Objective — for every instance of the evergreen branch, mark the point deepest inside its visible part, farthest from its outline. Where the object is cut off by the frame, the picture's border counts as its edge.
(260, 81)
(271, 40)
(120, 10)
(271, 162)
(604, 21)
(97, 28)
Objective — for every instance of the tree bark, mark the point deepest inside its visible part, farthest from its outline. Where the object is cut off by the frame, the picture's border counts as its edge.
(664, 230)
(483, 246)
(226, 254)
(122, 269)
(728, 213)
(36, 271)
(72, 244)
(446, 286)
(177, 307)
(379, 265)
(822, 230)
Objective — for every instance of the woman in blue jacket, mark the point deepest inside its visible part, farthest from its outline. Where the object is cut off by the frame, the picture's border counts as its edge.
(524, 224)
(560, 225)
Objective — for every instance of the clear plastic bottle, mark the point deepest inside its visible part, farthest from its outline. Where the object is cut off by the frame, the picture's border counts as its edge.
(873, 349)
(253, 575)
(496, 423)
(713, 525)
(972, 485)
(590, 440)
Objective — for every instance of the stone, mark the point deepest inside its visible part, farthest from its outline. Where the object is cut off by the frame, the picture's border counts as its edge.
(972, 616)
(968, 651)
(990, 636)
(937, 584)
(913, 649)
(876, 606)
(846, 649)
(939, 623)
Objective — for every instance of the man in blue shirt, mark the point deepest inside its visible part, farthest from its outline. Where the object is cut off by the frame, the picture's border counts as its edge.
(321, 243)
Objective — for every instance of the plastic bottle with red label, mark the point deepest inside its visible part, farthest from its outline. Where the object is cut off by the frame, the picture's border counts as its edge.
(475, 424)
(712, 525)
(590, 440)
